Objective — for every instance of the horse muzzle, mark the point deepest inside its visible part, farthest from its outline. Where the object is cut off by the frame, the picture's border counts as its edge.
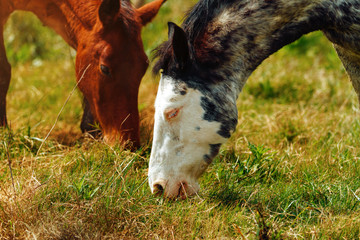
(174, 189)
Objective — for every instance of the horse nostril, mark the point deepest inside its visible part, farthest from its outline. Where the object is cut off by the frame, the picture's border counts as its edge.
(158, 189)
(183, 190)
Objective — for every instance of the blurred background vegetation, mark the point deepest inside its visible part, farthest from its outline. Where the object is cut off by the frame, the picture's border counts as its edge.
(27, 40)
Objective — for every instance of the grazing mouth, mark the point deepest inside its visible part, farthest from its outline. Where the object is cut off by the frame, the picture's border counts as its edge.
(179, 190)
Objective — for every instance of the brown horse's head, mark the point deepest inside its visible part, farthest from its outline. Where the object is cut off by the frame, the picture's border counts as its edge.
(110, 63)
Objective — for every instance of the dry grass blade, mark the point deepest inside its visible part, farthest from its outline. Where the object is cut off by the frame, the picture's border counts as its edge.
(8, 143)
(62, 108)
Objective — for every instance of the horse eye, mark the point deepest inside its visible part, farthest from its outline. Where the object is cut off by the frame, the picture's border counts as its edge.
(105, 70)
(171, 113)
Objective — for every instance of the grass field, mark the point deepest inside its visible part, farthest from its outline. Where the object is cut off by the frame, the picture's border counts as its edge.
(290, 171)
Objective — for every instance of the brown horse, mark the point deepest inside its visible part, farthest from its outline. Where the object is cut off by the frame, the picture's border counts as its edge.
(110, 59)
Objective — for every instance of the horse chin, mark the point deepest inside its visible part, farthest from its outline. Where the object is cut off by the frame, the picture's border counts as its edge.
(128, 142)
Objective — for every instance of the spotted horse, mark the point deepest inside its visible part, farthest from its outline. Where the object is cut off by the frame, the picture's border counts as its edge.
(206, 62)
(110, 59)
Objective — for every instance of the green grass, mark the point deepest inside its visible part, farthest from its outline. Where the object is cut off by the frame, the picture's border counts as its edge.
(290, 171)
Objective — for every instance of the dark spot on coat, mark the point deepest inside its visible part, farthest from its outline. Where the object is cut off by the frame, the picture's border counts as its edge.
(214, 150)
(180, 88)
(219, 113)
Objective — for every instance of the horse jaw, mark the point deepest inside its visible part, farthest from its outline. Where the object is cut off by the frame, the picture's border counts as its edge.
(147, 12)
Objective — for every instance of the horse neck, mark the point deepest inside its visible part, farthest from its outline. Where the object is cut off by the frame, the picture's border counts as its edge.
(242, 34)
(69, 18)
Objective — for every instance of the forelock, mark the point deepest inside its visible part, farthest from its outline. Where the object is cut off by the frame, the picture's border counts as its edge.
(163, 54)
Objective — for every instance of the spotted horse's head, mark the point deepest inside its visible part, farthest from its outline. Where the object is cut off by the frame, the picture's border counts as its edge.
(194, 115)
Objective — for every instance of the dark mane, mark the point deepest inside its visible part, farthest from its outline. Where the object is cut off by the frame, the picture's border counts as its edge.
(163, 54)
(196, 20)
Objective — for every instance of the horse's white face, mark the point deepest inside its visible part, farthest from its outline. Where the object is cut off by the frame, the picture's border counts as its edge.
(194, 114)
(184, 143)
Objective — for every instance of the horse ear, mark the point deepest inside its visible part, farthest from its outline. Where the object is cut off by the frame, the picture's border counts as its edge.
(108, 10)
(180, 46)
(149, 11)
